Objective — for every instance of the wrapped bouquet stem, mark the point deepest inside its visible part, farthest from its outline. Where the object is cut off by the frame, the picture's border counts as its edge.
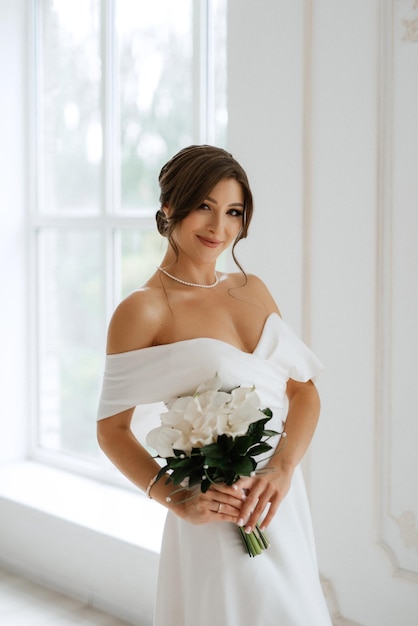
(211, 437)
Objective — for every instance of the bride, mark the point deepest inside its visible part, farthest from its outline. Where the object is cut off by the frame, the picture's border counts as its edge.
(187, 323)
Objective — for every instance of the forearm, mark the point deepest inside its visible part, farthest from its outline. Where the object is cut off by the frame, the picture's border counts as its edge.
(271, 487)
(301, 422)
(134, 461)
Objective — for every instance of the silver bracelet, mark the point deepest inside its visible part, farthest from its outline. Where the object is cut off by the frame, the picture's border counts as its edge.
(150, 486)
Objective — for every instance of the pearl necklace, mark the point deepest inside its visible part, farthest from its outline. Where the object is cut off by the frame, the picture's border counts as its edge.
(184, 282)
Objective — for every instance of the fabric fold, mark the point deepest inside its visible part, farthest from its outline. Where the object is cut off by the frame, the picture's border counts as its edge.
(161, 373)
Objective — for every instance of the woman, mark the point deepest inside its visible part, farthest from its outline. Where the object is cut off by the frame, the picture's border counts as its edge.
(186, 324)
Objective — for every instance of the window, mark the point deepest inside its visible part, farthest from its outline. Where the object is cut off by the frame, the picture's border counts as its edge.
(118, 87)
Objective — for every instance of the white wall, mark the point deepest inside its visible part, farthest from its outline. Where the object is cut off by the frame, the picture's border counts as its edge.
(266, 133)
(335, 238)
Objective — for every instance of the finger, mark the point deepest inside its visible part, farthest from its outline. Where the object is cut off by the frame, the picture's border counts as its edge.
(268, 508)
(243, 483)
(253, 505)
(232, 490)
(231, 496)
(270, 514)
(224, 512)
(255, 515)
(258, 499)
(232, 505)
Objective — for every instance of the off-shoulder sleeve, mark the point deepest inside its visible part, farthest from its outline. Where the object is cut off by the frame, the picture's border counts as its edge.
(149, 375)
(124, 383)
(280, 344)
(160, 373)
(133, 378)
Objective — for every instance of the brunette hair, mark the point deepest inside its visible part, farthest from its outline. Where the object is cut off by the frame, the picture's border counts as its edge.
(186, 180)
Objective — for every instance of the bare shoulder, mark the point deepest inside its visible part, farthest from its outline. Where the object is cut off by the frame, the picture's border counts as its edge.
(255, 291)
(136, 321)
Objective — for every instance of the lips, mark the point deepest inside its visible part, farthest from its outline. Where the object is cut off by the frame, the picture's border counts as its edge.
(211, 243)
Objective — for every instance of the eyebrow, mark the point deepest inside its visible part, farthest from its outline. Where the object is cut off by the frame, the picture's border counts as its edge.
(240, 204)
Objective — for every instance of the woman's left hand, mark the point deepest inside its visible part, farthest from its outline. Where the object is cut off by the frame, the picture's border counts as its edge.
(265, 489)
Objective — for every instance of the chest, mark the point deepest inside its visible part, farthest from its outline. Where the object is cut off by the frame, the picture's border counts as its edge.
(233, 321)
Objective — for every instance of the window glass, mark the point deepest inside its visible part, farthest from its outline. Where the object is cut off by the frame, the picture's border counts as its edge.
(121, 85)
(69, 101)
(137, 252)
(217, 70)
(71, 320)
(156, 96)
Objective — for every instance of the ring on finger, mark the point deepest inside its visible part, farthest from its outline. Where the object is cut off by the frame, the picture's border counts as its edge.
(219, 507)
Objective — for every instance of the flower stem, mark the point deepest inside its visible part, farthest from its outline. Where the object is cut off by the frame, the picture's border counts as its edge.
(255, 542)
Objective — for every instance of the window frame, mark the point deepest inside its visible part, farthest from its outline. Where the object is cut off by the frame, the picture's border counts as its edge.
(110, 219)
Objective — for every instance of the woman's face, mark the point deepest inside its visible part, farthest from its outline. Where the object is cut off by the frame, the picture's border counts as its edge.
(213, 226)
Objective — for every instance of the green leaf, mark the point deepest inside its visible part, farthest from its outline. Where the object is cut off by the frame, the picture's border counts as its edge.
(225, 442)
(204, 486)
(270, 433)
(259, 448)
(161, 473)
(180, 474)
(196, 478)
(211, 461)
(256, 428)
(244, 466)
(178, 452)
(213, 451)
(181, 463)
(241, 444)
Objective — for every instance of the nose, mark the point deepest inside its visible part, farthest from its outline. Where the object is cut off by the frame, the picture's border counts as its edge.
(215, 223)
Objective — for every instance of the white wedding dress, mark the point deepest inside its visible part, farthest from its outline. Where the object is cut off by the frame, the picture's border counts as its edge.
(205, 576)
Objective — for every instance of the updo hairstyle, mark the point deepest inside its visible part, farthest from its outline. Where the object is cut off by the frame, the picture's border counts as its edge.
(187, 179)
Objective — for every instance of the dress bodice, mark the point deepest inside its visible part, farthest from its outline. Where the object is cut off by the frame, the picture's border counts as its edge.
(161, 373)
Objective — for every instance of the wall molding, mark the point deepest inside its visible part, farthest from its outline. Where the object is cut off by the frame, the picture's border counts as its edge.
(411, 25)
(332, 602)
(397, 532)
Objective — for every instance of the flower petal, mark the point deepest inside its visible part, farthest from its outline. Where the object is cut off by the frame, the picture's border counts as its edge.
(162, 439)
(214, 384)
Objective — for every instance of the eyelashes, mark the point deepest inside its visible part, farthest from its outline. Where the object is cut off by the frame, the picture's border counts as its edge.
(232, 212)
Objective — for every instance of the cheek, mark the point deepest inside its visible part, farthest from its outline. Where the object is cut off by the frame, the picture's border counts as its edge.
(237, 229)
(190, 222)
(184, 228)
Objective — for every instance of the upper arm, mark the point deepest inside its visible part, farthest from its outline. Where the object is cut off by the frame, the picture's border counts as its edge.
(119, 421)
(306, 389)
(134, 324)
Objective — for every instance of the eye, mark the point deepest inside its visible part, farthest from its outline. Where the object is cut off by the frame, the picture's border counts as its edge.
(235, 212)
(204, 206)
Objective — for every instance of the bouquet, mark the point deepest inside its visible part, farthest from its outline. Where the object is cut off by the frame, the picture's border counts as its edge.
(213, 437)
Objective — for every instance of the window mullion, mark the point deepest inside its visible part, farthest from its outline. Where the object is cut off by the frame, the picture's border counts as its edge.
(111, 153)
(209, 94)
(110, 156)
(200, 69)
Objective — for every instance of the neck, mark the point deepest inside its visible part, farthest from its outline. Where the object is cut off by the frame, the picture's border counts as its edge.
(183, 268)
(187, 283)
